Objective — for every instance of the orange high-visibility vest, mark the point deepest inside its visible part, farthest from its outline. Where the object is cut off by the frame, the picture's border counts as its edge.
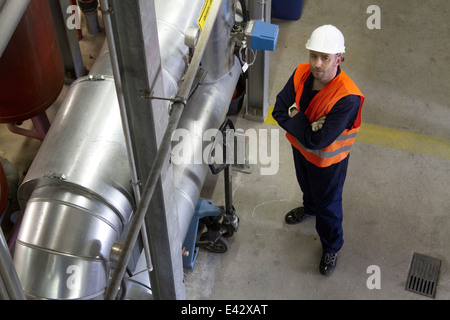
(338, 88)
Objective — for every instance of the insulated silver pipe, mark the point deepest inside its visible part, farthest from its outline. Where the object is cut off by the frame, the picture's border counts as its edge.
(174, 17)
(219, 56)
(214, 99)
(11, 12)
(206, 110)
(163, 152)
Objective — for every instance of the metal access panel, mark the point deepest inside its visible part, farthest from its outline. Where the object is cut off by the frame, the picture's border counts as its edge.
(423, 275)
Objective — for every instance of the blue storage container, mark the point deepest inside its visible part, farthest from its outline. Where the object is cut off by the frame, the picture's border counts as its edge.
(287, 9)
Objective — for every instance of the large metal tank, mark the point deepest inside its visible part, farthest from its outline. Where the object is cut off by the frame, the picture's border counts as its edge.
(77, 194)
(31, 67)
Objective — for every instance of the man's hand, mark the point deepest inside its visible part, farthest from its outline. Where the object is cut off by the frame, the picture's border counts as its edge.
(316, 126)
(293, 110)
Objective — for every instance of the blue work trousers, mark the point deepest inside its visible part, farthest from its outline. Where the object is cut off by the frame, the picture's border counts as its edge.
(322, 197)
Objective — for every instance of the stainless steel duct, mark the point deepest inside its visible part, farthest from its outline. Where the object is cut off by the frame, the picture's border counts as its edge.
(174, 18)
(77, 194)
(206, 110)
(219, 57)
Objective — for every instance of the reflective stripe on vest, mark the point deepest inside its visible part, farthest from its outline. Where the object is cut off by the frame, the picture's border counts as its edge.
(335, 153)
(321, 105)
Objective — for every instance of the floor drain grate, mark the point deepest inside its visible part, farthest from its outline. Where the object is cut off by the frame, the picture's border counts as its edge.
(423, 275)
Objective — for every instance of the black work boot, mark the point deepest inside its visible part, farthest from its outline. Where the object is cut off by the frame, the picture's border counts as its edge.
(296, 216)
(327, 263)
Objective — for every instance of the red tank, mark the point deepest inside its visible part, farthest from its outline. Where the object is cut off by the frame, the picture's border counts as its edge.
(31, 67)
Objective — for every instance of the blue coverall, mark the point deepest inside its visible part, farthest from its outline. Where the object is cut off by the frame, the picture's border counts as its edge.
(322, 187)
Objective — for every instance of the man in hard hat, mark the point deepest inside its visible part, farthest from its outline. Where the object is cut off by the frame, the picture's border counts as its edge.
(320, 109)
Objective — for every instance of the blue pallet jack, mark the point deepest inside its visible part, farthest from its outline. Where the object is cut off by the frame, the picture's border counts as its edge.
(220, 222)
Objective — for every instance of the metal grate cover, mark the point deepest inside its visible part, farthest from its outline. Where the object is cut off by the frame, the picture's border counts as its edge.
(423, 275)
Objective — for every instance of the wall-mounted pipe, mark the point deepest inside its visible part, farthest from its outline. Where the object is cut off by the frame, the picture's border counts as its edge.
(11, 11)
(90, 11)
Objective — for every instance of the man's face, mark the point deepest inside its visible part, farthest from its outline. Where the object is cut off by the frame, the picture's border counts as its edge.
(324, 66)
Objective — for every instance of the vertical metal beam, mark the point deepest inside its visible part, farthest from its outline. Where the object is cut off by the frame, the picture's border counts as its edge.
(134, 32)
(257, 102)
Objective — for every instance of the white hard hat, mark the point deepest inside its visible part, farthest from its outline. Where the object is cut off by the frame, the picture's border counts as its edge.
(326, 39)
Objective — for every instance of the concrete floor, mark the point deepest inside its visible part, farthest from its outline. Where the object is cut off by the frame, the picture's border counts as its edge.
(396, 201)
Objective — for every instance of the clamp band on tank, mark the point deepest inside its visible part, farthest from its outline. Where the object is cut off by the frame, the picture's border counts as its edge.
(177, 99)
(150, 96)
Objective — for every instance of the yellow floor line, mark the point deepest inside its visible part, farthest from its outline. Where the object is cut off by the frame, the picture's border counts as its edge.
(396, 139)
(269, 118)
